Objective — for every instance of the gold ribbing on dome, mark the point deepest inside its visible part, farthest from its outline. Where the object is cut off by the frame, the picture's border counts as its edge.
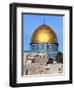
(44, 34)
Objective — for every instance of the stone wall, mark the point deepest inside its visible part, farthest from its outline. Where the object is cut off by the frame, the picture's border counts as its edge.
(35, 69)
(35, 64)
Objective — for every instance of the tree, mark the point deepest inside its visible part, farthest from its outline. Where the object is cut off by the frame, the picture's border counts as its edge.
(50, 61)
(59, 57)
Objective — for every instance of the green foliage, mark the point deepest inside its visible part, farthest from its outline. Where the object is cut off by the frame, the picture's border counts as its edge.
(50, 61)
(59, 57)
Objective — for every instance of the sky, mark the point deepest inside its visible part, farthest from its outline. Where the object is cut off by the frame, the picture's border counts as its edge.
(31, 22)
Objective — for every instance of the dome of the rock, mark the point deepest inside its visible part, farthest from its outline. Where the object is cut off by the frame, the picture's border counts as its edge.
(44, 34)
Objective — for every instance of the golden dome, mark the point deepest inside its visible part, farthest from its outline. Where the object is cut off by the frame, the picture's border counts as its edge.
(44, 34)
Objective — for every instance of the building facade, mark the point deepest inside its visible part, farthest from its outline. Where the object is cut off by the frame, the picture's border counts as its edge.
(44, 39)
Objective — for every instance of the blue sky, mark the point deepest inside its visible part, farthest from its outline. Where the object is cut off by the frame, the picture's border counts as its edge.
(31, 22)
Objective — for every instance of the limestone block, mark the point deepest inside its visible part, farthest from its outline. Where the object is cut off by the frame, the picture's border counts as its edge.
(55, 68)
(41, 60)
